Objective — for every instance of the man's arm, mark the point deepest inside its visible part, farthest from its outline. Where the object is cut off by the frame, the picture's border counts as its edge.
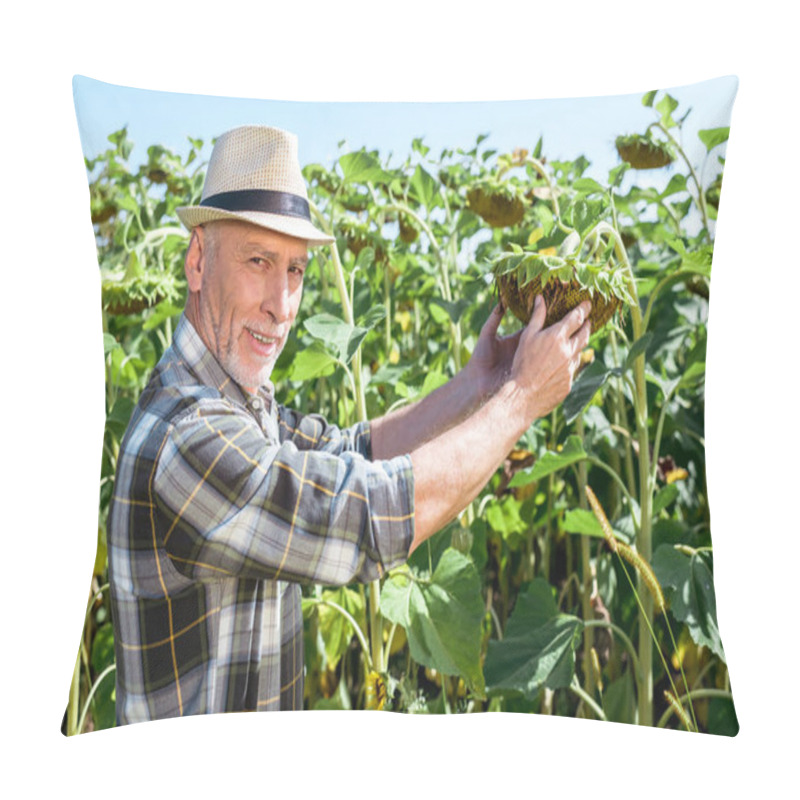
(452, 468)
(407, 428)
(229, 502)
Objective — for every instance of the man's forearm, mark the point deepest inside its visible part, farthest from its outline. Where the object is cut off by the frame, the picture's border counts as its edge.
(452, 466)
(450, 470)
(404, 430)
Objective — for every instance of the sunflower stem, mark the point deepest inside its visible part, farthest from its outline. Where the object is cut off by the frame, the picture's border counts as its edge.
(701, 200)
(375, 620)
(644, 544)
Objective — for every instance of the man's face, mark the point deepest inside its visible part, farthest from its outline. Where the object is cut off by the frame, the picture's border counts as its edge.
(246, 285)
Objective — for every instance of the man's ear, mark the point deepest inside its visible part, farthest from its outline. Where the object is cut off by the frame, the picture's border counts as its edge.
(194, 264)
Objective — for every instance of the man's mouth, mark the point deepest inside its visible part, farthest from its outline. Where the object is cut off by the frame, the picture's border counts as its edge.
(260, 337)
(262, 345)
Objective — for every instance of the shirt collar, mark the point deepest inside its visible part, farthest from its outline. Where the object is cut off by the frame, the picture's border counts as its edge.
(190, 349)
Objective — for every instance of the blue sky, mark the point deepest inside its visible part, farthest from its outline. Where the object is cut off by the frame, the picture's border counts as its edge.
(570, 127)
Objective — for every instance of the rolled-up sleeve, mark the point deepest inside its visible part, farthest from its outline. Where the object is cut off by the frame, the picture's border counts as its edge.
(233, 503)
(311, 431)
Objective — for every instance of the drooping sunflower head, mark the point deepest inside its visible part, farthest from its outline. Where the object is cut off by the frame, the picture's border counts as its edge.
(498, 203)
(644, 152)
(563, 282)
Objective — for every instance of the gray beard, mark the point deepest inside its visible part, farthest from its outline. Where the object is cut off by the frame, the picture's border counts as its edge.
(229, 360)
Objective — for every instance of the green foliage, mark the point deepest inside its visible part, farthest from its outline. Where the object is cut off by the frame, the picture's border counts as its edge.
(713, 137)
(103, 705)
(442, 617)
(538, 648)
(585, 388)
(689, 588)
(335, 629)
(550, 462)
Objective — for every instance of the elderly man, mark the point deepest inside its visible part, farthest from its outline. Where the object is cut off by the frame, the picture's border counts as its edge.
(225, 501)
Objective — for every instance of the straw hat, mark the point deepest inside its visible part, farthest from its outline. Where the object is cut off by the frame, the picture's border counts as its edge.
(254, 175)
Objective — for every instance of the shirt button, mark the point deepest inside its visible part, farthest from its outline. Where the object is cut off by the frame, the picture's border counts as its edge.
(256, 403)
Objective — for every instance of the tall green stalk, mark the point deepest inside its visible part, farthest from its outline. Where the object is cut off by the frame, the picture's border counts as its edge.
(375, 619)
(462, 536)
(73, 709)
(74, 723)
(587, 577)
(444, 274)
(701, 199)
(644, 543)
(621, 420)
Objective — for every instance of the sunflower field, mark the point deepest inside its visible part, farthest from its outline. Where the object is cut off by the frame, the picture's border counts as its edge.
(580, 582)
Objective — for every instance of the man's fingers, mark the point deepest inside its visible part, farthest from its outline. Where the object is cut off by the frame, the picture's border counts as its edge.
(581, 338)
(579, 342)
(493, 322)
(576, 318)
(539, 313)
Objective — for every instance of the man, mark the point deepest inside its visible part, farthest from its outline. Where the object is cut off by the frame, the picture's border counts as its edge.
(225, 501)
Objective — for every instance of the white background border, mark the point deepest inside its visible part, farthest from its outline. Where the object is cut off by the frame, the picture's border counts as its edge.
(52, 398)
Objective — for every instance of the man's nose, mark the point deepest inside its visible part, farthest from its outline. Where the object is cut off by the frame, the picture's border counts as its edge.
(276, 301)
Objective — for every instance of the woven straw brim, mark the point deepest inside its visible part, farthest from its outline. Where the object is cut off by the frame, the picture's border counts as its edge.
(191, 216)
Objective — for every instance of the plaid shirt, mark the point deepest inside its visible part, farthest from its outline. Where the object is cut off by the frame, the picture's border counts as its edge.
(224, 503)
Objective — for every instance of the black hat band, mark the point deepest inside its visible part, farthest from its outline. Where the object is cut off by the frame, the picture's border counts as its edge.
(264, 200)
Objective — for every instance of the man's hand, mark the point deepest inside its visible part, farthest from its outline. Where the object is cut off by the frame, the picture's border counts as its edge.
(403, 430)
(547, 361)
(452, 468)
(490, 364)
(546, 358)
